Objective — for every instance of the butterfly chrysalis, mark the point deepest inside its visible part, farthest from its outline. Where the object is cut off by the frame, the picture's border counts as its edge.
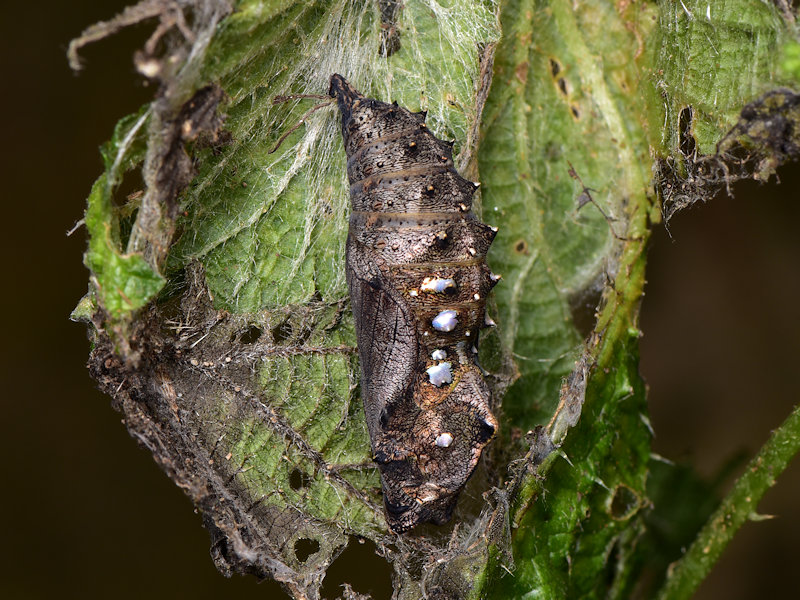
(418, 279)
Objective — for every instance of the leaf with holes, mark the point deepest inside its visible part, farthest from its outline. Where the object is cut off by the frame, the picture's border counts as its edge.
(255, 409)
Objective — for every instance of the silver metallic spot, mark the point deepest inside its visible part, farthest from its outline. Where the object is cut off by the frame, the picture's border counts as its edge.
(443, 440)
(445, 321)
(440, 374)
(437, 284)
(438, 355)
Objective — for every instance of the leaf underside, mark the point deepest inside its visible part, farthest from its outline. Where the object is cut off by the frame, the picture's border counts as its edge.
(231, 350)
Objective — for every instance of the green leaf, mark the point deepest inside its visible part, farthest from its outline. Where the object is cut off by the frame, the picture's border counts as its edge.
(581, 90)
(790, 63)
(538, 120)
(269, 227)
(123, 282)
(714, 57)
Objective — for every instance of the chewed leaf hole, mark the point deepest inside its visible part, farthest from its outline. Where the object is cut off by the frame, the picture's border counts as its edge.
(685, 124)
(305, 548)
(281, 332)
(251, 335)
(298, 479)
(126, 199)
(521, 247)
(583, 305)
(624, 503)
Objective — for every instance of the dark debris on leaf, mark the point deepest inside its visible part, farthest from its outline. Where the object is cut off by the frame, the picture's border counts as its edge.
(766, 136)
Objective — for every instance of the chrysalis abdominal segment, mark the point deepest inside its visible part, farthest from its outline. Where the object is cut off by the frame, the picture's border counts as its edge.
(418, 282)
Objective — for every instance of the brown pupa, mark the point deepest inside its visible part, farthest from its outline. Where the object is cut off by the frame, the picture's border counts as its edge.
(418, 279)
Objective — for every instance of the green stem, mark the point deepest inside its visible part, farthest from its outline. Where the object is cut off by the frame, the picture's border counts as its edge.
(738, 506)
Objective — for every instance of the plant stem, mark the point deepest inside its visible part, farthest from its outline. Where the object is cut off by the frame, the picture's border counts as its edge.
(686, 574)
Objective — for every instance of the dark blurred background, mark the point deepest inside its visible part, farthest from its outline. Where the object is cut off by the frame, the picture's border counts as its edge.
(87, 514)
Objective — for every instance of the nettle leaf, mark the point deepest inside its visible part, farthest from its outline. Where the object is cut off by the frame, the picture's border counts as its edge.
(566, 152)
(588, 101)
(242, 376)
(123, 281)
(223, 325)
(712, 59)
